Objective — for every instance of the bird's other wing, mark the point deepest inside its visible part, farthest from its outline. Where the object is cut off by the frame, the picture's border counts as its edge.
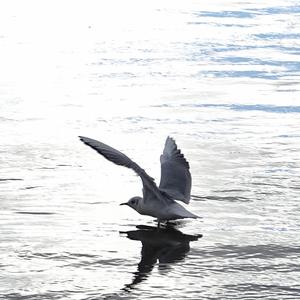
(121, 159)
(175, 178)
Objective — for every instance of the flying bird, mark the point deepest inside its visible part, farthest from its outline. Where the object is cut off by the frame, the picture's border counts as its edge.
(175, 182)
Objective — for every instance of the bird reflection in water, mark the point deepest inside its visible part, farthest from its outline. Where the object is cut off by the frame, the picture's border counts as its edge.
(165, 245)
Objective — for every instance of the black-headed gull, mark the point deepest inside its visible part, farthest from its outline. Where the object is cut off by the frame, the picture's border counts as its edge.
(175, 183)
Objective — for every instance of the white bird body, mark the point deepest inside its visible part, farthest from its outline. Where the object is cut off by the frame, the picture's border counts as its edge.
(175, 183)
(166, 212)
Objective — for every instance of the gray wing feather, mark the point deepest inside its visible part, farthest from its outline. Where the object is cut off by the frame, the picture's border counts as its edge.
(175, 178)
(121, 159)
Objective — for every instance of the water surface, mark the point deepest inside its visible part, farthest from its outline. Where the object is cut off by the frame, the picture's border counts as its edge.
(222, 78)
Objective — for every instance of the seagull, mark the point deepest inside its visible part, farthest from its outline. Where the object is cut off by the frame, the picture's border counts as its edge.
(175, 182)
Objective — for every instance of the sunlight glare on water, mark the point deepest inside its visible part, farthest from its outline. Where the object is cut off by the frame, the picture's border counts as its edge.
(221, 77)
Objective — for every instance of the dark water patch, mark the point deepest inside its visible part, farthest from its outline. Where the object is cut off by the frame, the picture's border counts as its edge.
(287, 90)
(269, 184)
(41, 296)
(10, 179)
(293, 9)
(250, 107)
(230, 191)
(270, 193)
(116, 296)
(263, 251)
(221, 198)
(257, 268)
(235, 59)
(198, 198)
(287, 49)
(199, 51)
(249, 13)
(290, 65)
(30, 187)
(81, 255)
(262, 291)
(93, 203)
(239, 14)
(277, 36)
(245, 267)
(240, 74)
(94, 264)
(165, 246)
(34, 213)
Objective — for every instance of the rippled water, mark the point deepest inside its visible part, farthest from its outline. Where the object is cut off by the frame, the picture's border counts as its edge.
(221, 77)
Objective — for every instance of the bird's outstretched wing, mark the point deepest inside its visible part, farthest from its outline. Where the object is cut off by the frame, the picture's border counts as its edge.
(175, 178)
(121, 159)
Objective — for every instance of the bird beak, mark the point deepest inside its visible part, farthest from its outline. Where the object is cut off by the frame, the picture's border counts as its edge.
(125, 203)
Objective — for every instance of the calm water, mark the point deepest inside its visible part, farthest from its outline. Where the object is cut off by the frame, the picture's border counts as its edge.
(221, 77)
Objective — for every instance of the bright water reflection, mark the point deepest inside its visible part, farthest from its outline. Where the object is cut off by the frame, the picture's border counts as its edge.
(221, 77)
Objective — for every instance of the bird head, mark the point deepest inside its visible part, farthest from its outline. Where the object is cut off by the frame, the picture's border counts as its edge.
(133, 202)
